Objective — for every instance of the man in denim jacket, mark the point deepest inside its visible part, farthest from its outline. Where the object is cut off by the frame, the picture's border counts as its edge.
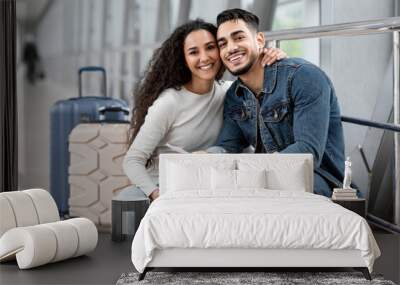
(294, 101)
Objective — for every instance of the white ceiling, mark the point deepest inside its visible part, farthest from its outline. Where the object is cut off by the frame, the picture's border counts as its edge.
(30, 10)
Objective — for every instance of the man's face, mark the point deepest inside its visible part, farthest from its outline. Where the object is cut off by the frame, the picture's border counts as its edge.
(239, 46)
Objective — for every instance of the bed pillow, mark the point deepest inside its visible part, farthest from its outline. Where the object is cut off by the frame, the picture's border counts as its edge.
(181, 177)
(281, 174)
(251, 178)
(292, 179)
(222, 179)
(193, 175)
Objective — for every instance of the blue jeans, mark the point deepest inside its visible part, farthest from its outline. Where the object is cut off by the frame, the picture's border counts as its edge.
(321, 187)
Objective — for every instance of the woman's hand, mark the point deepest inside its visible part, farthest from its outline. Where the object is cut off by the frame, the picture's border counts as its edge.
(270, 55)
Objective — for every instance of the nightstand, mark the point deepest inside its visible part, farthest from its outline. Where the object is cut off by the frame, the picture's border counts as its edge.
(127, 210)
(356, 205)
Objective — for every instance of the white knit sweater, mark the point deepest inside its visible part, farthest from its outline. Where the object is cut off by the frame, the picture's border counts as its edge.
(178, 118)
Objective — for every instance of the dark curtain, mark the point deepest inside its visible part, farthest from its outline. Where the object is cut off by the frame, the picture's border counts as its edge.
(8, 98)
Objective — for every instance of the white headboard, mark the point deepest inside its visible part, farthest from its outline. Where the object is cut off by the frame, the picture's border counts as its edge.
(278, 162)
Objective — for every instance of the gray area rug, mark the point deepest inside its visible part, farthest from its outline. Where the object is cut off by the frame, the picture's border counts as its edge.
(230, 278)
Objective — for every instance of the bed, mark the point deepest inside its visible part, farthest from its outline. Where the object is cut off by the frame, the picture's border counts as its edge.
(247, 210)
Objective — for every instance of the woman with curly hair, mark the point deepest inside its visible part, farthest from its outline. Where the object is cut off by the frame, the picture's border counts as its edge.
(179, 102)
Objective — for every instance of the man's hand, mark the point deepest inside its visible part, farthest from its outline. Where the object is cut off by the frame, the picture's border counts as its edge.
(270, 55)
(155, 194)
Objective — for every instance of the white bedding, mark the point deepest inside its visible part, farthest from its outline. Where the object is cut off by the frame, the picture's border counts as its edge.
(252, 218)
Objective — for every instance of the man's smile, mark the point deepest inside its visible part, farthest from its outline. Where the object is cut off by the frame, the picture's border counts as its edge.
(236, 57)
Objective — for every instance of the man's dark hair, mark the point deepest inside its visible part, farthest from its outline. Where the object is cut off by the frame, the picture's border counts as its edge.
(235, 14)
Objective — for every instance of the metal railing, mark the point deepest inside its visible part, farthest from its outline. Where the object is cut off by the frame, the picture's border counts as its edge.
(344, 29)
(387, 25)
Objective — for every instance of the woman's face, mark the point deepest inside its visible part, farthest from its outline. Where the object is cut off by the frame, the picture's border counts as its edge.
(202, 55)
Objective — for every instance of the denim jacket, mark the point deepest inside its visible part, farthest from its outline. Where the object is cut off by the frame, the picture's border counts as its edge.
(298, 113)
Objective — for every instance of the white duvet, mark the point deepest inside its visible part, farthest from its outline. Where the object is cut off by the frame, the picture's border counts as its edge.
(256, 218)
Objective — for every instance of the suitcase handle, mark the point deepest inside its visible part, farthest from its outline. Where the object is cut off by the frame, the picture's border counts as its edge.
(92, 69)
(104, 109)
(117, 109)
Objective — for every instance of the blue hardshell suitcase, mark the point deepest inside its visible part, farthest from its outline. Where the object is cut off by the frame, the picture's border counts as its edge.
(64, 116)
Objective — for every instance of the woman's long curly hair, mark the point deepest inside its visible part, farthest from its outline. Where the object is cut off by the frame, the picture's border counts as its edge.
(166, 69)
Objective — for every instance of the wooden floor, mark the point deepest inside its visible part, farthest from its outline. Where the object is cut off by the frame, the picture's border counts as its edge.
(110, 260)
